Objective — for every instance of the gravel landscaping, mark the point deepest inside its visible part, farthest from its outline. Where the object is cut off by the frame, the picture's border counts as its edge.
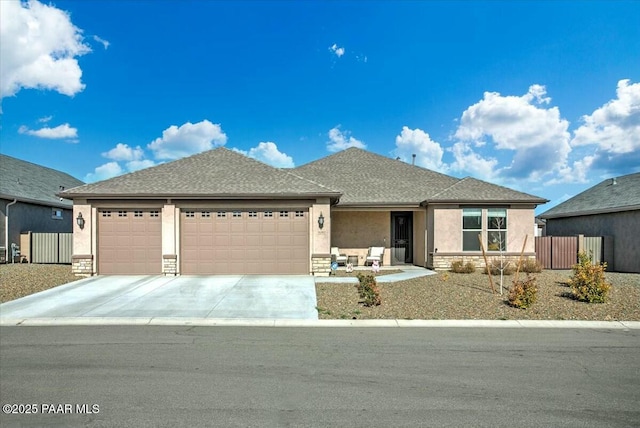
(449, 295)
(445, 295)
(21, 279)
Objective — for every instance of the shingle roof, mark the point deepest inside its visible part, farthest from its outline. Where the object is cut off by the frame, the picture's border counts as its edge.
(29, 182)
(366, 178)
(473, 190)
(215, 173)
(604, 197)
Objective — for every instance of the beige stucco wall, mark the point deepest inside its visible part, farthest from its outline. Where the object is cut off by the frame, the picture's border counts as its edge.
(320, 238)
(355, 231)
(170, 219)
(419, 232)
(83, 238)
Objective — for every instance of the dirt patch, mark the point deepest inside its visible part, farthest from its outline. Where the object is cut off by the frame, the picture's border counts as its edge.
(21, 279)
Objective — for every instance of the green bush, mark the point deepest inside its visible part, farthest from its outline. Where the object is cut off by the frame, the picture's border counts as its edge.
(494, 265)
(588, 283)
(458, 266)
(523, 292)
(531, 266)
(368, 289)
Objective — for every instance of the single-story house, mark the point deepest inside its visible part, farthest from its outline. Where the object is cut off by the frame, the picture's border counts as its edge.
(220, 212)
(29, 201)
(610, 208)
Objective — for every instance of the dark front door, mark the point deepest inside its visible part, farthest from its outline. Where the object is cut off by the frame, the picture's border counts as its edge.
(401, 235)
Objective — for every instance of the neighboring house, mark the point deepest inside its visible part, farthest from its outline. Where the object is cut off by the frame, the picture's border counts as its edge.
(29, 201)
(220, 212)
(611, 208)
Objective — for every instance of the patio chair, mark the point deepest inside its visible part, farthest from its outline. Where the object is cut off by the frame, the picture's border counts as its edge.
(375, 253)
(341, 259)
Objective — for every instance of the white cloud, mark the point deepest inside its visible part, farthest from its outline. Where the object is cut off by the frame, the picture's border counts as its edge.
(188, 139)
(103, 172)
(104, 42)
(136, 165)
(45, 119)
(268, 153)
(122, 152)
(59, 132)
(339, 140)
(538, 135)
(471, 163)
(40, 46)
(576, 173)
(614, 129)
(416, 141)
(337, 51)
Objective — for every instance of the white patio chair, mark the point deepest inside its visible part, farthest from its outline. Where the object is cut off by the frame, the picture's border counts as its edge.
(375, 253)
(341, 259)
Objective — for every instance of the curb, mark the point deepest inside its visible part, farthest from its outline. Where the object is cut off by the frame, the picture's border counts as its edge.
(212, 322)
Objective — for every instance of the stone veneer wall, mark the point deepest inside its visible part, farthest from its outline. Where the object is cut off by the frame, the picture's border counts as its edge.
(321, 264)
(82, 265)
(443, 261)
(170, 264)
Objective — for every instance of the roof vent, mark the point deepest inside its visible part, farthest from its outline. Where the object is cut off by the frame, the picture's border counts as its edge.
(614, 181)
(413, 161)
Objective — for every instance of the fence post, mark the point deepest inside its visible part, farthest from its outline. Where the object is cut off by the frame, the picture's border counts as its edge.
(580, 245)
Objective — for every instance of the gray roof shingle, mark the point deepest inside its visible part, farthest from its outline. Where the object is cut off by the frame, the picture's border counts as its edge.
(215, 173)
(366, 178)
(604, 197)
(33, 183)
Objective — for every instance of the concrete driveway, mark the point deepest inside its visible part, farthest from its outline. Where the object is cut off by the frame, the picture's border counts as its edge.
(224, 296)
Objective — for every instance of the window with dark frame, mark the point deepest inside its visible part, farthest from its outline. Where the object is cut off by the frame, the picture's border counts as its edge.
(496, 229)
(471, 228)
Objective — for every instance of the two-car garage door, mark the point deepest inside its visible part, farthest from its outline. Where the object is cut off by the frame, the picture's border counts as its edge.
(244, 241)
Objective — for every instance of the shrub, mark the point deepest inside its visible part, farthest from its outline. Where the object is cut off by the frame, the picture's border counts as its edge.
(458, 266)
(368, 289)
(588, 283)
(531, 266)
(494, 265)
(523, 292)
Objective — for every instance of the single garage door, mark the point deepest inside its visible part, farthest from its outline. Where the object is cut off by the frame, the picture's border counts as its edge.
(245, 241)
(129, 242)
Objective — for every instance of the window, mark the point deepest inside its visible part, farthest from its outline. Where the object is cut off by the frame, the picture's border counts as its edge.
(206, 214)
(496, 229)
(299, 213)
(221, 214)
(284, 213)
(253, 214)
(106, 213)
(56, 213)
(471, 228)
(137, 213)
(237, 214)
(154, 213)
(122, 213)
(268, 214)
(189, 214)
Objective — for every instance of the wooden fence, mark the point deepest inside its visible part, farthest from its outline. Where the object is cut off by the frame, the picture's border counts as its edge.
(46, 247)
(561, 252)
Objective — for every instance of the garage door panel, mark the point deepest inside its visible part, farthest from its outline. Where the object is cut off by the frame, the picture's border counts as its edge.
(246, 242)
(129, 242)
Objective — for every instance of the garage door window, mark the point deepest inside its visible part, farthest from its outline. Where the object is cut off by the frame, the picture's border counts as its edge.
(299, 213)
(221, 214)
(237, 214)
(284, 213)
(268, 213)
(189, 214)
(122, 213)
(253, 214)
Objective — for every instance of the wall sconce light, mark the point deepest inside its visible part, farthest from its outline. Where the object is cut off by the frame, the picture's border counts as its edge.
(80, 221)
(321, 221)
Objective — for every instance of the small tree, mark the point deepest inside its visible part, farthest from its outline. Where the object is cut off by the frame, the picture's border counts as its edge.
(588, 283)
(498, 240)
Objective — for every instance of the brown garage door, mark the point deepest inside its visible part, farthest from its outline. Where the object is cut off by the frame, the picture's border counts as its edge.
(129, 242)
(245, 241)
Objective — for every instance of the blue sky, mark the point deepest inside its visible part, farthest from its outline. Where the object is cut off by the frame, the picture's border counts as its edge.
(543, 97)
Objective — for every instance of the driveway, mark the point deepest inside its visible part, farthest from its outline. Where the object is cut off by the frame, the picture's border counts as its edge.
(224, 296)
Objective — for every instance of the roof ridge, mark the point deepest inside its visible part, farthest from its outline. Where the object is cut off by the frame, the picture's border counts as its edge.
(311, 181)
(449, 187)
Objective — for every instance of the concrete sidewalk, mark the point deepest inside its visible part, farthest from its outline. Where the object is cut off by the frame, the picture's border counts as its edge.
(408, 272)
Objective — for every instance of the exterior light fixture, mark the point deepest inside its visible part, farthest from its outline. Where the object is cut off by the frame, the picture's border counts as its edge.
(321, 221)
(80, 221)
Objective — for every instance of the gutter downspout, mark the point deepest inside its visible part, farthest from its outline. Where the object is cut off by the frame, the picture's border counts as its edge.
(6, 230)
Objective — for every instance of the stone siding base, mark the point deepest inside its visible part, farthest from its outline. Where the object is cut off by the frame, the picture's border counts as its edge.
(170, 264)
(82, 265)
(321, 264)
(443, 261)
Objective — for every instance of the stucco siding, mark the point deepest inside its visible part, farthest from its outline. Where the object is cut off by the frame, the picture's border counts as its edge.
(624, 227)
(355, 231)
(419, 231)
(520, 223)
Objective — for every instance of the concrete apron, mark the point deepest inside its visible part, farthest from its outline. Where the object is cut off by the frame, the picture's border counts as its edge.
(158, 297)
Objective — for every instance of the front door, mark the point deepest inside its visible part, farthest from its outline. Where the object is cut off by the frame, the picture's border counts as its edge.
(401, 235)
